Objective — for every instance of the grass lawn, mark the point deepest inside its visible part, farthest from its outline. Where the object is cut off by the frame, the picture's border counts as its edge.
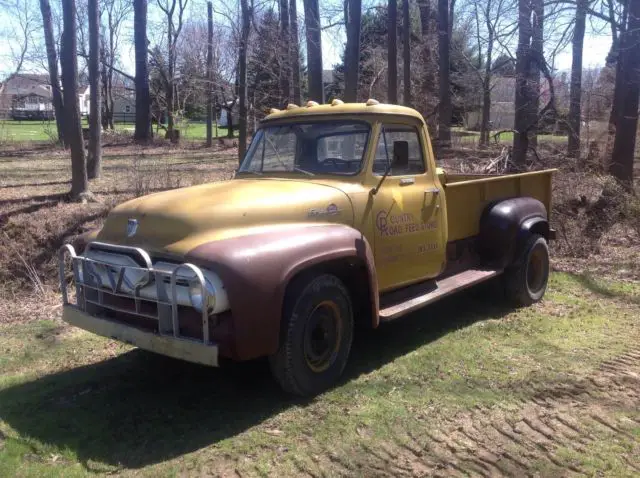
(467, 138)
(14, 131)
(467, 386)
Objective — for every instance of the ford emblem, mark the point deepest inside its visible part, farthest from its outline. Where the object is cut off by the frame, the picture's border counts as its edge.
(132, 227)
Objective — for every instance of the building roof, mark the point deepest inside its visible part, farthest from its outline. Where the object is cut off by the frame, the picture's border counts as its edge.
(27, 84)
(337, 107)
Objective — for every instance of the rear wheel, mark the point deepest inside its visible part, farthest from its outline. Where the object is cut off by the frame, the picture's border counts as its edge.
(526, 279)
(316, 335)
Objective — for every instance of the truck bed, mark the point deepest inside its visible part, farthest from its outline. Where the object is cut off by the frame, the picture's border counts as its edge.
(468, 194)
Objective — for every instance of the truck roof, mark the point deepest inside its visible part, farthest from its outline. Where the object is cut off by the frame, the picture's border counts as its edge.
(338, 107)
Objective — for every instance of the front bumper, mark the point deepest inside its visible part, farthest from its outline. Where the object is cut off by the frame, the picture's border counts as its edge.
(180, 348)
(159, 324)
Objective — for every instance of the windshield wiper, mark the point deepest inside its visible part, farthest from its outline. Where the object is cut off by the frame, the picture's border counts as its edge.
(300, 170)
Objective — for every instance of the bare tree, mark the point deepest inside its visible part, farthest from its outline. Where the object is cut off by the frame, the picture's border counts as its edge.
(94, 159)
(429, 66)
(115, 12)
(406, 56)
(295, 53)
(209, 73)
(73, 132)
(628, 94)
(352, 19)
(242, 78)
(444, 47)
(18, 39)
(285, 41)
(314, 49)
(392, 51)
(52, 63)
(494, 26)
(174, 22)
(143, 98)
(575, 116)
(537, 52)
(523, 95)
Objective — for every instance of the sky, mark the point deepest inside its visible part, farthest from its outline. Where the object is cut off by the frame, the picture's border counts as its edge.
(596, 46)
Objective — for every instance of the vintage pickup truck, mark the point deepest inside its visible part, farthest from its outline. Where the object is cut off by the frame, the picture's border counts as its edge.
(337, 217)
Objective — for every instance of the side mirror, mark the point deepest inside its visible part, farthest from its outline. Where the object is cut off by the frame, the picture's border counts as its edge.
(400, 155)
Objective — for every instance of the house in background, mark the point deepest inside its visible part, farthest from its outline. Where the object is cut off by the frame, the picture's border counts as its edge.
(26, 96)
(502, 106)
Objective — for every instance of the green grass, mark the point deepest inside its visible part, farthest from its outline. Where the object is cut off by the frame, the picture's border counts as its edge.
(38, 131)
(72, 404)
(472, 137)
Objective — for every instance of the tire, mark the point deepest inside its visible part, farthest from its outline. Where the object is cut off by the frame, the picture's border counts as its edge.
(317, 332)
(526, 279)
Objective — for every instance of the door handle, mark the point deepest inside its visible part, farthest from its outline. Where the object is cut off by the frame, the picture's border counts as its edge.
(434, 191)
(407, 181)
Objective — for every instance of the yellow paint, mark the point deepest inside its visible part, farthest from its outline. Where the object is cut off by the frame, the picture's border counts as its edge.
(425, 212)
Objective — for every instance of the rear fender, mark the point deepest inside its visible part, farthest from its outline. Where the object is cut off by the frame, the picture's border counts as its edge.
(505, 225)
(257, 268)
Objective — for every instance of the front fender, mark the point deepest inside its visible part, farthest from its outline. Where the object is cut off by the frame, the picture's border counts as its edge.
(256, 268)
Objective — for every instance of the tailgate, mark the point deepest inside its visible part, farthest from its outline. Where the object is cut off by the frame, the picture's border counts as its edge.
(467, 196)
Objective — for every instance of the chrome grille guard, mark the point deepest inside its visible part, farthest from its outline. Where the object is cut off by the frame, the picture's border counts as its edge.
(90, 291)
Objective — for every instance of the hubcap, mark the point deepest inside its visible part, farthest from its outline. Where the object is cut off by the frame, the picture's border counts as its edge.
(536, 270)
(322, 336)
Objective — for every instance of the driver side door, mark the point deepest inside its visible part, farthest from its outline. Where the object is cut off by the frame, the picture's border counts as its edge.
(406, 211)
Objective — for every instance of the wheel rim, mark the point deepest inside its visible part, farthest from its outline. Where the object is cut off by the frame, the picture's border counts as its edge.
(536, 270)
(322, 336)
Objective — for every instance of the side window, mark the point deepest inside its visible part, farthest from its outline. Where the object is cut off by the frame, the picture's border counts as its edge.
(406, 137)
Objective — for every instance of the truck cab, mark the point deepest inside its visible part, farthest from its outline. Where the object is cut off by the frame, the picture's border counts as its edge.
(338, 215)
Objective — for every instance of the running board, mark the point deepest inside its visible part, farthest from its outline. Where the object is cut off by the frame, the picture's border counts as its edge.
(398, 303)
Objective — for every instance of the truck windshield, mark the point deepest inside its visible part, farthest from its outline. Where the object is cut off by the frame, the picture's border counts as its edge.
(335, 147)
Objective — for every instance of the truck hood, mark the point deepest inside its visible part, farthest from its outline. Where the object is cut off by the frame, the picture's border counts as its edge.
(176, 221)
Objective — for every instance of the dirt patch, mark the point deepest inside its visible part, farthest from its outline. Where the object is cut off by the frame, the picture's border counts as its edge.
(526, 439)
(36, 219)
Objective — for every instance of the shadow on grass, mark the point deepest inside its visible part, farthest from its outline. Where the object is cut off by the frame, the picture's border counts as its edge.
(139, 409)
(604, 289)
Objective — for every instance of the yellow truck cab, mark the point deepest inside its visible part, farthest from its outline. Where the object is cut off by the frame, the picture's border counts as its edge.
(338, 215)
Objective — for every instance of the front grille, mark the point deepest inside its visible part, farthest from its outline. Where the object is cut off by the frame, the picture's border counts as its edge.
(158, 301)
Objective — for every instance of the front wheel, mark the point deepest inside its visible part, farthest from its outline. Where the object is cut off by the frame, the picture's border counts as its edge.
(316, 335)
(526, 279)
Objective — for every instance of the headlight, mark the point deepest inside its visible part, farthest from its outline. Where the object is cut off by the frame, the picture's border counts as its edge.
(195, 295)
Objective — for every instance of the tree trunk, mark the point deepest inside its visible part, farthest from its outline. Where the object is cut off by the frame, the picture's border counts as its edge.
(444, 107)
(73, 131)
(392, 52)
(169, 89)
(209, 74)
(523, 90)
(52, 62)
(295, 53)
(104, 80)
(406, 45)
(143, 97)
(622, 160)
(618, 93)
(352, 18)
(229, 122)
(428, 84)
(285, 58)
(537, 43)
(486, 88)
(242, 80)
(94, 160)
(314, 50)
(575, 116)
